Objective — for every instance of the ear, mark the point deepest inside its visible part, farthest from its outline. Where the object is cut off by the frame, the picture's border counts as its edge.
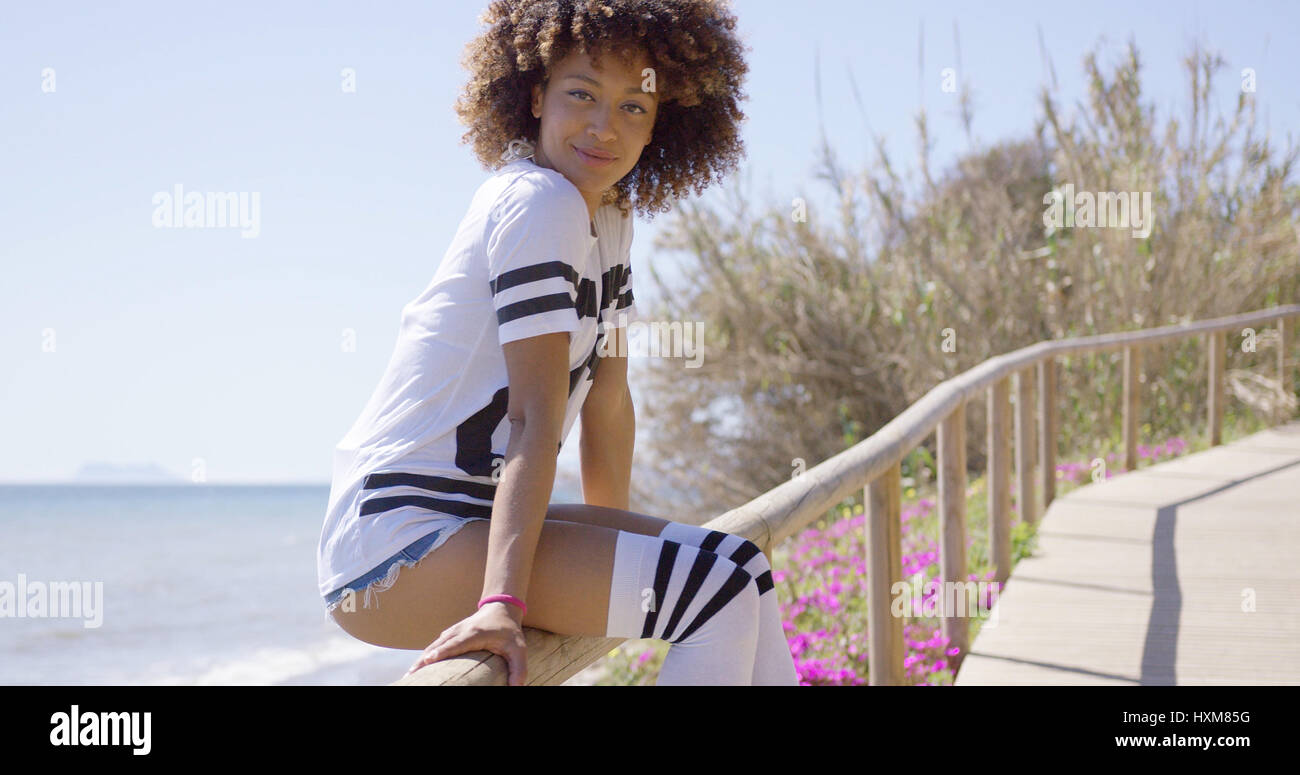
(537, 100)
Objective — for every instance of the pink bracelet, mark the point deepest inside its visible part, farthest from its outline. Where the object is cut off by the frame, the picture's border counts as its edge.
(504, 599)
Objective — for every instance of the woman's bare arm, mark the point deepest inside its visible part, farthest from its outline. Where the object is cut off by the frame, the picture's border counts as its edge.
(608, 432)
(539, 390)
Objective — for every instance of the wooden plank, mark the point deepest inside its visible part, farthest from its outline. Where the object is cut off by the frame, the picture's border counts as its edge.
(884, 569)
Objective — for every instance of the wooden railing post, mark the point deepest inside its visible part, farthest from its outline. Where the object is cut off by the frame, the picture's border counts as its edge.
(1026, 450)
(1285, 328)
(952, 529)
(998, 478)
(884, 569)
(1217, 345)
(1047, 429)
(1132, 370)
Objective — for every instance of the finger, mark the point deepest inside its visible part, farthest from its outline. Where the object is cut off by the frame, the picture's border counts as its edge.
(453, 646)
(456, 643)
(521, 649)
(427, 658)
(442, 638)
(433, 650)
(517, 663)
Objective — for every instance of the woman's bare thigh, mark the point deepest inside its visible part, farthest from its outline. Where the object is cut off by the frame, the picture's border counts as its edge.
(568, 591)
(563, 595)
(602, 516)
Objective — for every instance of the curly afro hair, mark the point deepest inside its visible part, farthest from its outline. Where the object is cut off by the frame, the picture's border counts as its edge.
(698, 63)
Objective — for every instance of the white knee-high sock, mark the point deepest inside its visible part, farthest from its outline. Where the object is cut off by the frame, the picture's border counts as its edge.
(702, 604)
(773, 663)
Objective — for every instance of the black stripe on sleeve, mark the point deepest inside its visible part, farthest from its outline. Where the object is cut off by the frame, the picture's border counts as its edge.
(534, 306)
(445, 506)
(533, 273)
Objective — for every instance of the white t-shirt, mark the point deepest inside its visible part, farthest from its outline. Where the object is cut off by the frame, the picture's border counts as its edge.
(524, 262)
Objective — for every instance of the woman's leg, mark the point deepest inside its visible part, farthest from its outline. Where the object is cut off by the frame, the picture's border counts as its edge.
(445, 587)
(700, 602)
(773, 663)
(587, 580)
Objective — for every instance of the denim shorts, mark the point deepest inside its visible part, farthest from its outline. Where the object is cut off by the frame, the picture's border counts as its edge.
(384, 575)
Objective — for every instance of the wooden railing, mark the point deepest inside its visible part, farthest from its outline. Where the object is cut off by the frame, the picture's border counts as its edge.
(875, 463)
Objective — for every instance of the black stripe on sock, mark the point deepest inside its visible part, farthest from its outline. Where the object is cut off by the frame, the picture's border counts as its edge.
(712, 540)
(764, 581)
(667, 555)
(730, 589)
(744, 553)
(699, 571)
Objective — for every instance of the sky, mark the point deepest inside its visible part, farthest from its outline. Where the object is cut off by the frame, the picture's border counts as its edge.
(226, 357)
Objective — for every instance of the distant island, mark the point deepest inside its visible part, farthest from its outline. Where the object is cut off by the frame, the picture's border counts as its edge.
(133, 473)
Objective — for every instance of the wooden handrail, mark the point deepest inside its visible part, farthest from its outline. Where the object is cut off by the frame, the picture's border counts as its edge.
(873, 466)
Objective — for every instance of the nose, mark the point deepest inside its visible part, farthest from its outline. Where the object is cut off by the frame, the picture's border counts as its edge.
(601, 128)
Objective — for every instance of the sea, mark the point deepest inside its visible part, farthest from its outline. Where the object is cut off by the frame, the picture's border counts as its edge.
(201, 584)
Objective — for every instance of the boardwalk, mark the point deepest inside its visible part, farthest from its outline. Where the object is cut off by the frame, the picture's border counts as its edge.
(1142, 580)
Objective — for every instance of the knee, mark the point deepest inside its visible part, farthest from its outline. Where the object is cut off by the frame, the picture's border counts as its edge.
(748, 555)
(752, 558)
(730, 610)
(746, 597)
(748, 603)
(744, 602)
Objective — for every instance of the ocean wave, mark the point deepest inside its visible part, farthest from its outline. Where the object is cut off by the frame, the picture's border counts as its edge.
(339, 655)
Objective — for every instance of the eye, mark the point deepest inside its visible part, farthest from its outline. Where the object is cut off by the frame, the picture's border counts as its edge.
(640, 110)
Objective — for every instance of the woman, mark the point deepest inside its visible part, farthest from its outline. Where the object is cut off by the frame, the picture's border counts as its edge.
(456, 450)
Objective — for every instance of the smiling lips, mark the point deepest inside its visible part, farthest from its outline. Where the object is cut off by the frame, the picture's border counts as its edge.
(594, 157)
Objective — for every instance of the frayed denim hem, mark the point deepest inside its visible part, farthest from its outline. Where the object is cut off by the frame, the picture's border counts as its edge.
(407, 558)
(372, 589)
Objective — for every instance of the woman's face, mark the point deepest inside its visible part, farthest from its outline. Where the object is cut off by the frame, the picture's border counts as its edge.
(605, 112)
